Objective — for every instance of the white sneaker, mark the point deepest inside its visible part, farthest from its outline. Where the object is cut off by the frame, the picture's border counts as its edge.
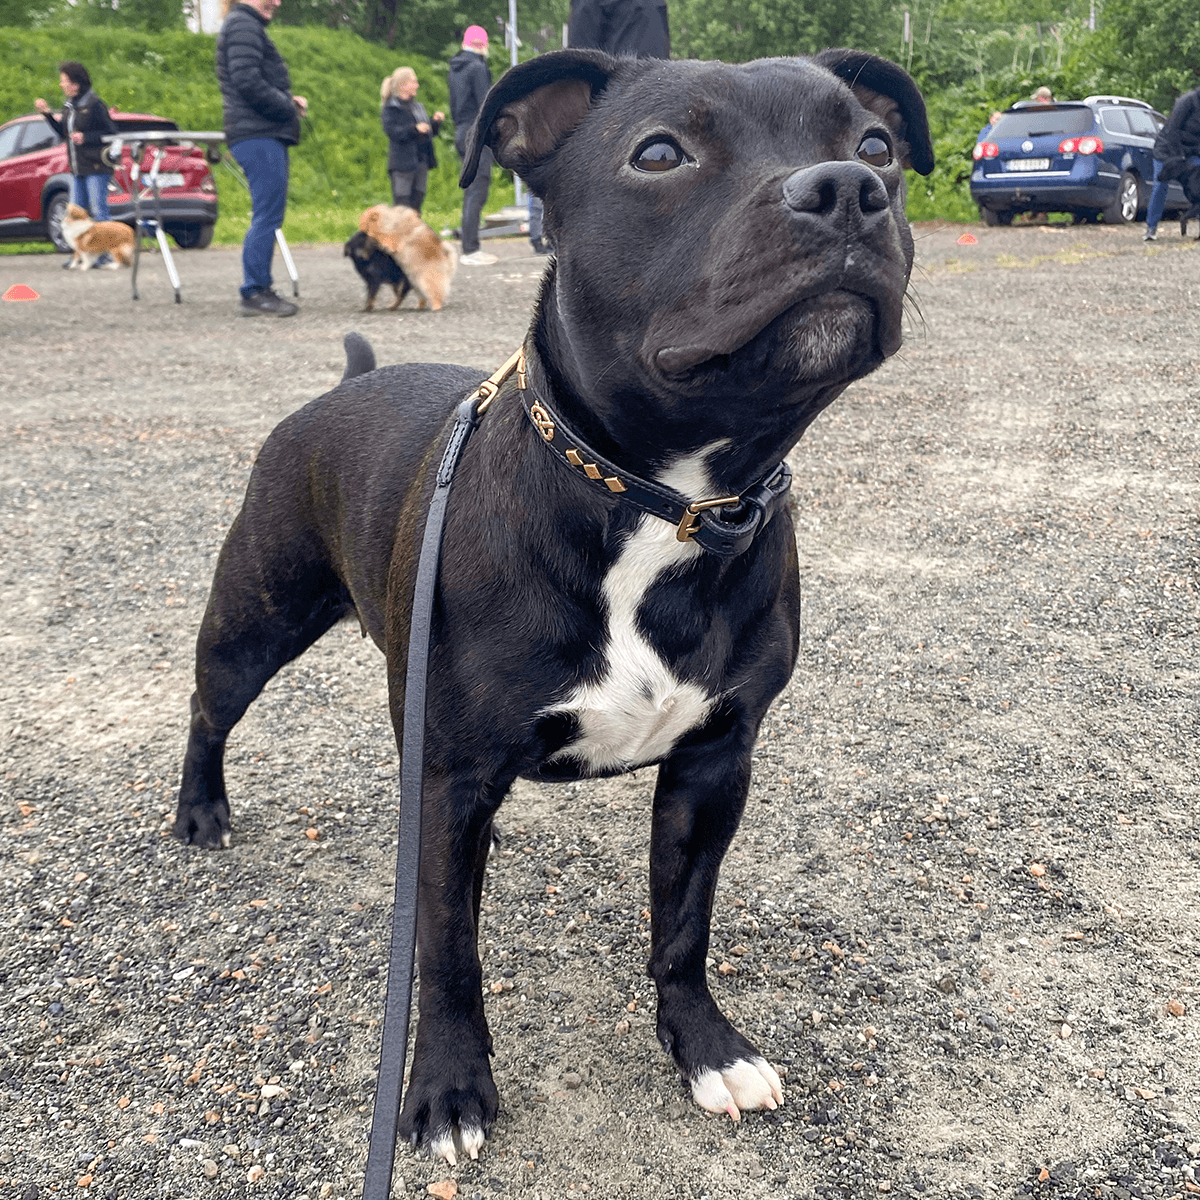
(478, 259)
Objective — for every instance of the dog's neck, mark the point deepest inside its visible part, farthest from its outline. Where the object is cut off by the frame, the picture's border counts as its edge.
(723, 523)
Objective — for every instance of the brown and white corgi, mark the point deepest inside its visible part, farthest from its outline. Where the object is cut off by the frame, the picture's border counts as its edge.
(425, 258)
(90, 239)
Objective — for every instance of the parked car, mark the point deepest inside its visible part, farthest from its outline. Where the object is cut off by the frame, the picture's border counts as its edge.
(1090, 158)
(35, 183)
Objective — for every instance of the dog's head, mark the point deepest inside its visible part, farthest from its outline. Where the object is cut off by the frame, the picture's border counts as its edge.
(75, 213)
(722, 233)
(360, 246)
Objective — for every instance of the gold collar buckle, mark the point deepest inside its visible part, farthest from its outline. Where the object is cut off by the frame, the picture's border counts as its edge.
(690, 522)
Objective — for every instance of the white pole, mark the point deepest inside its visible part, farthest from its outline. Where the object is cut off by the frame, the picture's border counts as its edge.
(518, 188)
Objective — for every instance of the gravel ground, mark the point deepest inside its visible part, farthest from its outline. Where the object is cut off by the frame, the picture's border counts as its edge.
(961, 914)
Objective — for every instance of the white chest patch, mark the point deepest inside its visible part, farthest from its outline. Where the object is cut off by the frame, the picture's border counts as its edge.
(638, 709)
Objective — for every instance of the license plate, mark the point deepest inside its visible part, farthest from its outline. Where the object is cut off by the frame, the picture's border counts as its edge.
(168, 179)
(1027, 164)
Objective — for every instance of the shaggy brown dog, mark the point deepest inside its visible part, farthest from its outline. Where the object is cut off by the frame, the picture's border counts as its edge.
(428, 261)
(90, 239)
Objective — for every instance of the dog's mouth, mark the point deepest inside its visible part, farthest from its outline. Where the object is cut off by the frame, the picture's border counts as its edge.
(821, 339)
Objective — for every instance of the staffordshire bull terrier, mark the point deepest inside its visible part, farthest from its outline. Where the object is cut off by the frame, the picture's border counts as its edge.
(619, 582)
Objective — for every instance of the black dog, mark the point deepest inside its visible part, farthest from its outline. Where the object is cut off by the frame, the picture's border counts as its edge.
(619, 580)
(377, 267)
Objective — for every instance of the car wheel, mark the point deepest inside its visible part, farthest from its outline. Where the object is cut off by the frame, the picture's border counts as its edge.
(993, 216)
(1126, 203)
(56, 210)
(191, 236)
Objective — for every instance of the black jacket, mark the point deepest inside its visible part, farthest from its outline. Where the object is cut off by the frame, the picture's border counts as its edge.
(469, 81)
(86, 114)
(255, 86)
(621, 27)
(1179, 138)
(408, 149)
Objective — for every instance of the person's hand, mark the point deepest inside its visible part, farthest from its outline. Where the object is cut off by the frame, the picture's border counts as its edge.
(41, 105)
(301, 104)
(422, 127)
(77, 138)
(439, 115)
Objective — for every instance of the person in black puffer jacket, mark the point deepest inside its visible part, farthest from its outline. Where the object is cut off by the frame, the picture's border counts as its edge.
(1176, 150)
(84, 122)
(262, 119)
(410, 132)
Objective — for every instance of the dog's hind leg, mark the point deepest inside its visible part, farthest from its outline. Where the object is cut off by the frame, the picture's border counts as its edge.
(697, 805)
(273, 595)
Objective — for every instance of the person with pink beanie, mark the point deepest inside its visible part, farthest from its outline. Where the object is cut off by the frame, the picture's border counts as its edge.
(470, 80)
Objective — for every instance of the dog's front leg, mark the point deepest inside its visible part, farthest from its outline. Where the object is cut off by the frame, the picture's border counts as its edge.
(697, 806)
(451, 1101)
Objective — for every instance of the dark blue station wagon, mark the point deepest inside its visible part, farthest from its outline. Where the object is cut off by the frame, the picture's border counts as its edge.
(1091, 158)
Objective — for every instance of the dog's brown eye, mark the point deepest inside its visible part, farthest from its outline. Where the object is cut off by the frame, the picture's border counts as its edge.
(659, 156)
(874, 151)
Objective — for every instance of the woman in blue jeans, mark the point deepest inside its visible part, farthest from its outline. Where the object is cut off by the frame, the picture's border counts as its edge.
(83, 125)
(262, 119)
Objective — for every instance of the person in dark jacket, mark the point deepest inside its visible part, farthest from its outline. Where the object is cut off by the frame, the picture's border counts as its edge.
(637, 27)
(82, 125)
(1176, 148)
(262, 119)
(470, 80)
(410, 132)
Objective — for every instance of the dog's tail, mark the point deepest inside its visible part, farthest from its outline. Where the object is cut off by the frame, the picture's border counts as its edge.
(360, 358)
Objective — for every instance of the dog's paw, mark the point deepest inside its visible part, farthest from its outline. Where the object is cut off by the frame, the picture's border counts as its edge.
(726, 1073)
(204, 825)
(742, 1086)
(450, 1111)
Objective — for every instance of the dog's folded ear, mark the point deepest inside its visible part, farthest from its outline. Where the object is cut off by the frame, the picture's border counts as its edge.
(533, 108)
(888, 91)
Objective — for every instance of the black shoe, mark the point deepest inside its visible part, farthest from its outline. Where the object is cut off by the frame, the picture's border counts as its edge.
(541, 246)
(266, 302)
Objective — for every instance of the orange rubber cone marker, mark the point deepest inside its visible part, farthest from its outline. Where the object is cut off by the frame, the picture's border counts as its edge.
(968, 239)
(20, 291)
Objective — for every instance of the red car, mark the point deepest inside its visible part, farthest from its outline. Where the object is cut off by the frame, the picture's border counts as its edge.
(35, 183)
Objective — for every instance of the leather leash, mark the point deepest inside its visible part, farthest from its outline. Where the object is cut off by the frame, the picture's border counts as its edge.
(385, 1119)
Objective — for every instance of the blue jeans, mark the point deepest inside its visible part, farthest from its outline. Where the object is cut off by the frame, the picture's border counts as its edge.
(1158, 194)
(91, 192)
(265, 162)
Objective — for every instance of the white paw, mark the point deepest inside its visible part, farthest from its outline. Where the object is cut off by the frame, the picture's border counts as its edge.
(743, 1085)
(443, 1146)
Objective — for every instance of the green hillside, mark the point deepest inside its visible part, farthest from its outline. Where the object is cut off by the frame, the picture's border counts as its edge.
(340, 166)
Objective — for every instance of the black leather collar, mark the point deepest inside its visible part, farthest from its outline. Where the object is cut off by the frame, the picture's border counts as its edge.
(724, 526)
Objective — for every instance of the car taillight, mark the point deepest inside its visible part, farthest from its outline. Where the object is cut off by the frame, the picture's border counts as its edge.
(207, 184)
(985, 150)
(1083, 145)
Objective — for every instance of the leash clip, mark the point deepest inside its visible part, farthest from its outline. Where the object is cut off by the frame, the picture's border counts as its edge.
(690, 521)
(491, 386)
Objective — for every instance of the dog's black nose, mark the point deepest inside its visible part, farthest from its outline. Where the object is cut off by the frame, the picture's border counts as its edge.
(830, 188)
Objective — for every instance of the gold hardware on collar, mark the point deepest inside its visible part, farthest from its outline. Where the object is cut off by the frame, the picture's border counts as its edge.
(592, 471)
(541, 419)
(491, 385)
(690, 521)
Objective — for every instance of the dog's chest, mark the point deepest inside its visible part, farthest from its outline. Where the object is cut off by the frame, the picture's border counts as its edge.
(638, 708)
